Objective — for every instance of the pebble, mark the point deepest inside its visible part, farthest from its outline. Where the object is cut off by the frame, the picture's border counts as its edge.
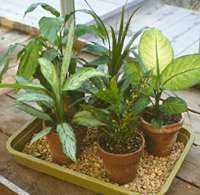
(151, 174)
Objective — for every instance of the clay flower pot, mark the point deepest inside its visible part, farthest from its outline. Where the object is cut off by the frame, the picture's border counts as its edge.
(56, 146)
(160, 141)
(121, 168)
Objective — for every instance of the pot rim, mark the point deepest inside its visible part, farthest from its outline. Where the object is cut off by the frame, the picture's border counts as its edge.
(168, 126)
(127, 154)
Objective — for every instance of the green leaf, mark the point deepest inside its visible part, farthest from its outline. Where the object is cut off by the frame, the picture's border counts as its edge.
(41, 134)
(49, 27)
(112, 96)
(155, 48)
(83, 29)
(156, 123)
(33, 111)
(95, 49)
(29, 59)
(87, 119)
(133, 73)
(68, 140)
(182, 73)
(50, 54)
(67, 54)
(100, 27)
(35, 97)
(173, 105)
(76, 80)
(5, 58)
(45, 6)
(99, 114)
(49, 72)
(30, 86)
(140, 104)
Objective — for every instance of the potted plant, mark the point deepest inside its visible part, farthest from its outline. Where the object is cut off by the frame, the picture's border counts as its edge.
(163, 119)
(49, 43)
(120, 145)
(49, 96)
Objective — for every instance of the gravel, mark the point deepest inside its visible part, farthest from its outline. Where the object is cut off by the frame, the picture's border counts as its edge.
(151, 174)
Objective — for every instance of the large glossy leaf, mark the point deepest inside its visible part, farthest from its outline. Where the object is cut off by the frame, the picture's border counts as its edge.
(67, 55)
(49, 72)
(29, 59)
(68, 140)
(45, 6)
(33, 111)
(87, 119)
(49, 27)
(41, 134)
(35, 97)
(183, 73)
(173, 105)
(77, 79)
(155, 48)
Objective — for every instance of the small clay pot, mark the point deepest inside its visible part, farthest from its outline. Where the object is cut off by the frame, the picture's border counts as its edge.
(121, 168)
(160, 141)
(56, 146)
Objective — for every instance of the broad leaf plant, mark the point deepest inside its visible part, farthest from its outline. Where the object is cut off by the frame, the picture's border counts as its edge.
(166, 73)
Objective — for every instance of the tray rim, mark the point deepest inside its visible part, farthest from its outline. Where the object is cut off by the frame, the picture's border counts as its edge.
(22, 158)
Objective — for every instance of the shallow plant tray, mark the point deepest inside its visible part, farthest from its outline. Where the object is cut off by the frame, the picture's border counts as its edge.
(18, 140)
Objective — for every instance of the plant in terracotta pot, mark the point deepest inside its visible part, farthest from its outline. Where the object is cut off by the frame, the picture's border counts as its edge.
(163, 119)
(49, 43)
(120, 145)
(50, 98)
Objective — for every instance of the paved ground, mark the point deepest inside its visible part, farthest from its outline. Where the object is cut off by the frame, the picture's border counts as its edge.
(187, 182)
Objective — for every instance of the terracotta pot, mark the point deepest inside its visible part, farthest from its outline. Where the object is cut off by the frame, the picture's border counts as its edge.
(121, 168)
(56, 146)
(69, 112)
(160, 141)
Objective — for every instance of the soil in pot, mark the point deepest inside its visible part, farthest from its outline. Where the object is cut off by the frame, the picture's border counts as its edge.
(121, 161)
(151, 174)
(160, 140)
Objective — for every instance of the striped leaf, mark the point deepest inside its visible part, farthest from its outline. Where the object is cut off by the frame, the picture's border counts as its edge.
(77, 79)
(33, 111)
(68, 140)
(41, 134)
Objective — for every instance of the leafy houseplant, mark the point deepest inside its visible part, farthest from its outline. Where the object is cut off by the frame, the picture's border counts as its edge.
(119, 145)
(163, 119)
(48, 44)
(50, 98)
